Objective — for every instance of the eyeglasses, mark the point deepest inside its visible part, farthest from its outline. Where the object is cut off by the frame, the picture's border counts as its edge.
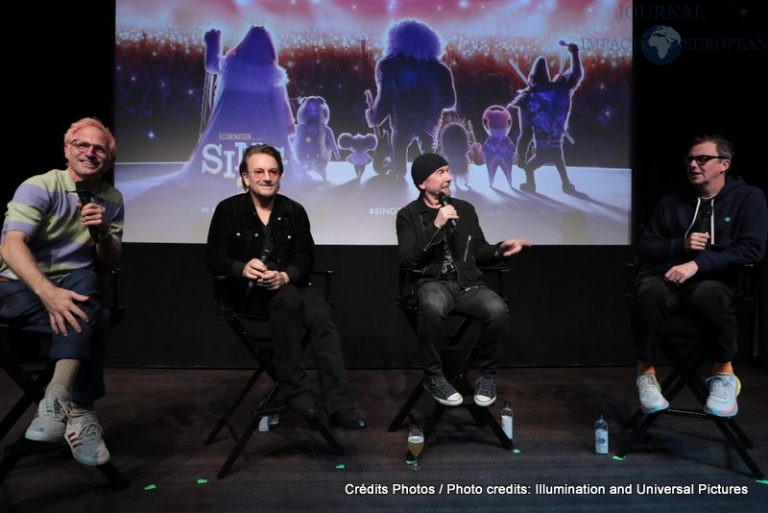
(701, 159)
(83, 147)
(260, 173)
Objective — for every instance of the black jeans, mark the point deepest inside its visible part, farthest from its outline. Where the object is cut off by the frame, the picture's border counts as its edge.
(294, 312)
(710, 303)
(437, 299)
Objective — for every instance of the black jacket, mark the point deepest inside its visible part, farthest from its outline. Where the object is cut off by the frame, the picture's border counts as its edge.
(421, 243)
(236, 235)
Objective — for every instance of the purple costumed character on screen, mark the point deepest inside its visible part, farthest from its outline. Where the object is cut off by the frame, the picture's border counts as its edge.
(314, 142)
(359, 145)
(250, 103)
(413, 89)
(544, 108)
(498, 149)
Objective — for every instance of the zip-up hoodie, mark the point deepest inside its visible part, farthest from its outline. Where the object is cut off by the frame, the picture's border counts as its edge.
(738, 229)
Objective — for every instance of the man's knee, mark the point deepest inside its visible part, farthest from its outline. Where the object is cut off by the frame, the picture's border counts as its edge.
(287, 298)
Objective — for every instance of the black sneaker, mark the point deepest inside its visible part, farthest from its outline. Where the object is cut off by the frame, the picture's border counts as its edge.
(347, 418)
(485, 390)
(442, 391)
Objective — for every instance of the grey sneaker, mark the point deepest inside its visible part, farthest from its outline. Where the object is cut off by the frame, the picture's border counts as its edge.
(485, 390)
(84, 436)
(649, 391)
(722, 395)
(442, 391)
(51, 418)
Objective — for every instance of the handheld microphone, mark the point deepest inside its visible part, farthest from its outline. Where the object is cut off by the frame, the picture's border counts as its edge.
(265, 256)
(85, 197)
(445, 201)
(705, 217)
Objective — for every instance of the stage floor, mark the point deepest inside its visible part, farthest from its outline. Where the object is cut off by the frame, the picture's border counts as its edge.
(156, 421)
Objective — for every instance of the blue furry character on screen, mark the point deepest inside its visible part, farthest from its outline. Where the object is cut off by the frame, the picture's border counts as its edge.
(413, 89)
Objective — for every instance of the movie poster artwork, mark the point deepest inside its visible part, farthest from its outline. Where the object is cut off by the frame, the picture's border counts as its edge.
(529, 102)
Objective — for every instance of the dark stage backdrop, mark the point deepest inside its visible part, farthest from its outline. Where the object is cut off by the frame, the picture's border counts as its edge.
(567, 301)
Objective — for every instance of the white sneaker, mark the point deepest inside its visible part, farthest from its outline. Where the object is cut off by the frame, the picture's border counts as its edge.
(51, 418)
(649, 390)
(722, 395)
(84, 436)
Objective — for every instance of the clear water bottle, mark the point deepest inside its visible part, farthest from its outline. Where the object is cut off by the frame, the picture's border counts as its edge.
(601, 436)
(507, 416)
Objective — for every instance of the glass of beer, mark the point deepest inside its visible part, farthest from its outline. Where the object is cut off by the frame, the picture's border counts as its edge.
(415, 446)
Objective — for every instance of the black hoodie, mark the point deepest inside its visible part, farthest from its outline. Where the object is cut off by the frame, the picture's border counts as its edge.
(738, 227)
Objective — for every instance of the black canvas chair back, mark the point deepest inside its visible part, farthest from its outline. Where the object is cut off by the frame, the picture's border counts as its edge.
(22, 351)
(683, 347)
(457, 358)
(253, 331)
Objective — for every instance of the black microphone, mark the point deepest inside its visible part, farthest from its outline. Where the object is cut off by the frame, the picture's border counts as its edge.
(705, 217)
(265, 256)
(85, 197)
(445, 201)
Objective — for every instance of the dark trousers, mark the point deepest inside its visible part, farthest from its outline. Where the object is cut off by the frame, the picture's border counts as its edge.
(709, 303)
(22, 308)
(437, 299)
(294, 311)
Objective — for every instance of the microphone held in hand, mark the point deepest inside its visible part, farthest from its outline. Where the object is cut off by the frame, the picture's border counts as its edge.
(705, 217)
(266, 258)
(85, 197)
(445, 201)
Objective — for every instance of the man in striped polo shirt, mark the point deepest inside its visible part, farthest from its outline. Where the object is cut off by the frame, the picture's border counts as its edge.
(51, 250)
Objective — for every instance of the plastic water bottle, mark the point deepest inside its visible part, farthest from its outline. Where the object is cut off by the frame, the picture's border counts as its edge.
(507, 417)
(601, 436)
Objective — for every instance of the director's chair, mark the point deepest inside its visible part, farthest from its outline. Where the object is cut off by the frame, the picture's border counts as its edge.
(686, 353)
(253, 331)
(457, 360)
(22, 344)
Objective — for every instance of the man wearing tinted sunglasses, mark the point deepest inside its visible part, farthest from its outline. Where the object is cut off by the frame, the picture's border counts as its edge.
(689, 250)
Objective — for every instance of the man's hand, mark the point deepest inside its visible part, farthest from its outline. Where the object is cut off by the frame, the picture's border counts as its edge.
(272, 280)
(513, 247)
(444, 214)
(63, 310)
(92, 215)
(679, 274)
(254, 269)
(696, 241)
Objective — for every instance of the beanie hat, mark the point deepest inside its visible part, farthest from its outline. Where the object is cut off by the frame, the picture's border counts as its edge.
(424, 165)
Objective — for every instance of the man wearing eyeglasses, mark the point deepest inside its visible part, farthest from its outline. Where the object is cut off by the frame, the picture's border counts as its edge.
(689, 250)
(261, 241)
(60, 227)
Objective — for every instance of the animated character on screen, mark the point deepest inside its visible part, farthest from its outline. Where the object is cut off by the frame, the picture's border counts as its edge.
(544, 108)
(314, 142)
(498, 149)
(413, 89)
(359, 145)
(250, 103)
(458, 146)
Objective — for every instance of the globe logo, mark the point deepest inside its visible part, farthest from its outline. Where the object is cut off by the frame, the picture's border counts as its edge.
(661, 44)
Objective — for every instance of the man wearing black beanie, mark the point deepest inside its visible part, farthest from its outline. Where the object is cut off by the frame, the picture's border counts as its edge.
(442, 238)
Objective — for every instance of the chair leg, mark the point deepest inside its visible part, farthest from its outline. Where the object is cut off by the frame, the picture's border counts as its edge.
(397, 422)
(224, 420)
(239, 446)
(316, 424)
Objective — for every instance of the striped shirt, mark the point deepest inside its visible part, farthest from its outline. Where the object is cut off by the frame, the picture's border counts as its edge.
(44, 207)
